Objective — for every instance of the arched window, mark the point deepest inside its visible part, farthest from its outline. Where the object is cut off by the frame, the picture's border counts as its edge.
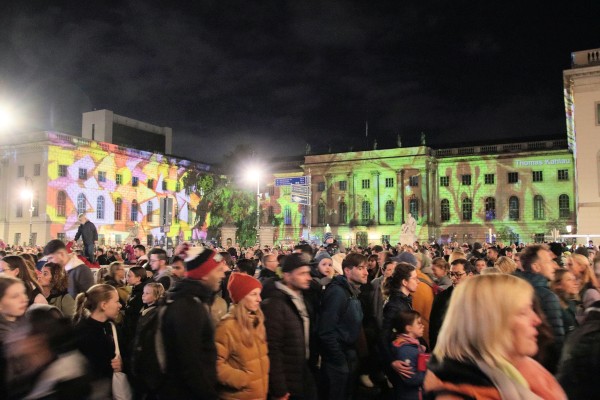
(287, 215)
(61, 204)
(467, 209)
(134, 210)
(321, 214)
(100, 207)
(366, 211)
(303, 215)
(564, 209)
(118, 208)
(343, 212)
(538, 207)
(413, 206)
(490, 208)
(445, 210)
(513, 208)
(389, 211)
(149, 211)
(81, 203)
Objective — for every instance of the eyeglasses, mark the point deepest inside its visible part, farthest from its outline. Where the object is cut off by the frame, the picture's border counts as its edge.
(456, 274)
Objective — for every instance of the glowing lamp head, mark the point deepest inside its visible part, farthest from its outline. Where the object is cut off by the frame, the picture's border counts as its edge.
(27, 194)
(569, 228)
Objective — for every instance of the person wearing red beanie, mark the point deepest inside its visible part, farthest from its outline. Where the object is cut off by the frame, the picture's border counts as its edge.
(242, 353)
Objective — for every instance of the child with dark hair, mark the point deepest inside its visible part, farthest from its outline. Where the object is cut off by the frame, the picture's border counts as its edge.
(406, 347)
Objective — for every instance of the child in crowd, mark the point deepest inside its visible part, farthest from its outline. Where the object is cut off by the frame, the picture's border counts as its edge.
(406, 347)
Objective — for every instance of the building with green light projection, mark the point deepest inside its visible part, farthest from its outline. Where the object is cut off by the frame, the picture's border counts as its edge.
(515, 192)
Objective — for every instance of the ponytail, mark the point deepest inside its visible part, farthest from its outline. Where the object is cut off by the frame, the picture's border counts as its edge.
(89, 301)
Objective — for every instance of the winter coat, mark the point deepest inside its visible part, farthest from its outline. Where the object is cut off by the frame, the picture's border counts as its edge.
(242, 371)
(378, 300)
(423, 300)
(438, 312)
(397, 303)
(406, 348)
(94, 340)
(64, 302)
(189, 341)
(289, 372)
(143, 364)
(549, 302)
(132, 312)
(80, 277)
(87, 232)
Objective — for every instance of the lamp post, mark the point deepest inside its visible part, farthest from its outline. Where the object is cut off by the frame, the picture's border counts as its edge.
(28, 194)
(569, 229)
(254, 173)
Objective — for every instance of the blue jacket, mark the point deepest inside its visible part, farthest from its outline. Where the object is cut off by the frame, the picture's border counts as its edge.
(340, 320)
(406, 388)
(549, 302)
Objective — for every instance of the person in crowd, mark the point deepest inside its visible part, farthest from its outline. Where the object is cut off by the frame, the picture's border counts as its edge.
(88, 234)
(157, 258)
(101, 258)
(95, 310)
(31, 262)
(80, 277)
(491, 255)
(460, 271)
(177, 268)
(111, 256)
(269, 267)
(579, 369)
(288, 323)
(408, 329)
(54, 283)
(539, 269)
(242, 358)
(505, 264)
(141, 258)
(187, 328)
(16, 267)
(567, 289)
(245, 266)
(340, 327)
(372, 267)
(483, 354)
(136, 278)
(378, 297)
(588, 284)
(440, 267)
(116, 278)
(322, 270)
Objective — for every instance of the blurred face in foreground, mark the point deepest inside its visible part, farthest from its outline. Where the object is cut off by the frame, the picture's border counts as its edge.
(524, 333)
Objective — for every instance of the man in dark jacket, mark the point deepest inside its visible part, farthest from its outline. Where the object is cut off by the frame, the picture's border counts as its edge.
(288, 323)
(80, 277)
(158, 262)
(88, 233)
(187, 328)
(340, 324)
(538, 269)
(269, 266)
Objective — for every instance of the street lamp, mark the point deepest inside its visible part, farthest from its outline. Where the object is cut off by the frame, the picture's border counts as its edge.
(6, 118)
(27, 193)
(254, 173)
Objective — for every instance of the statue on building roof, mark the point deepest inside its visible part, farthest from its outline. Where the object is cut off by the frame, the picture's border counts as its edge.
(399, 140)
(375, 144)
(307, 151)
(423, 141)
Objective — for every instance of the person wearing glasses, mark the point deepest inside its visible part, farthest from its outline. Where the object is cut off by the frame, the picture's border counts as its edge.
(460, 270)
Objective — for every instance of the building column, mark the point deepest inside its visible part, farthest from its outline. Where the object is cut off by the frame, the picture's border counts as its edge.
(378, 216)
(400, 177)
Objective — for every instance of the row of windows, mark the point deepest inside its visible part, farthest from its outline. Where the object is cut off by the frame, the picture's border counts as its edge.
(512, 177)
(83, 175)
(366, 183)
(564, 210)
(37, 170)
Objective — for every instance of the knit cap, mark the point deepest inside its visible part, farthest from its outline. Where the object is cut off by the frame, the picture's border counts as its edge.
(200, 261)
(240, 285)
(293, 261)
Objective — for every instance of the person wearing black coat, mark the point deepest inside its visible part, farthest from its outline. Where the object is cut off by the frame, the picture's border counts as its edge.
(136, 277)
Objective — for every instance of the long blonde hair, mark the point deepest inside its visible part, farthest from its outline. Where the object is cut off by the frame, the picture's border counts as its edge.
(471, 332)
(506, 265)
(252, 324)
(588, 275)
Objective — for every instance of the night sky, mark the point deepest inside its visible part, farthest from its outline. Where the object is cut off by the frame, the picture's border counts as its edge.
(276, 75)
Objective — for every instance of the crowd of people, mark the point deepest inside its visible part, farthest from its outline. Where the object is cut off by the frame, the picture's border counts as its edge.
(412, 321)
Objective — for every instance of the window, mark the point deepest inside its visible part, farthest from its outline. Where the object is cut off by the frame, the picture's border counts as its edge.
(513, 177)
(445, 209)
(81, 203)
(149, 211)
(413, 181)
(343, 212)
(101, 176)
(62, 170)
(165, 186)
(538, 207)
(321, 186)
(413, 206)
(61, 204)
(21, 171)
(466, 179)
(366, 183)
(389, 182)
(134, 210)
(271, 190)
(564, 210)
(82, 173)
(467, 209)
(563, 174)
(287, 215)
(343, 185)
(19, 213)
(37, 169)
(513, 208)
(178, 187)
(490, 209)
(150, 183)
(35, 204)
(366, 211)
(119, 179)
(489, 179)
(134, 181)
(118, 208)
(321, 214)
(303, 215)
(61, 236)
(270, 213)
(176, 213)
(100, 207)
(444, 181)
(389, 211)
(17, 238)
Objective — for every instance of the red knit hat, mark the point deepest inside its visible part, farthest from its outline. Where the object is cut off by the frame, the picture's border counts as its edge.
(240, 285)
(200, 261)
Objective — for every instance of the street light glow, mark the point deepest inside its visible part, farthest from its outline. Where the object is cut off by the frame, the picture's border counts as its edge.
(7, 118)
(254, 173)
(27, 194)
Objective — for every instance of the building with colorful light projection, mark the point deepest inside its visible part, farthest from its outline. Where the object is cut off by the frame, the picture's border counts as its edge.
(513, 192)
(119, 189)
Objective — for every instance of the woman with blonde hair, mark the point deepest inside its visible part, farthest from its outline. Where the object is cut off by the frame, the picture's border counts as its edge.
(485, 352)
(580, 266)
(506, 265)
(242, 355)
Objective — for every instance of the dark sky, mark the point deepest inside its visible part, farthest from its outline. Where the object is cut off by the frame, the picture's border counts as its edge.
(278, 74)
